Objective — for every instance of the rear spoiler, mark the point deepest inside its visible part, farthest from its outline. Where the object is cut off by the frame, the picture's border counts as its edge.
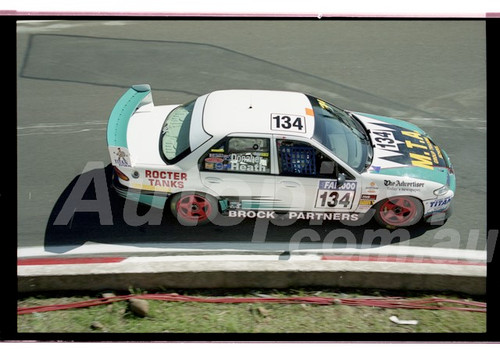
(136, 97)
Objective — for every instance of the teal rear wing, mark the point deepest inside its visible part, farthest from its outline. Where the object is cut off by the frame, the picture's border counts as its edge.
(136, 97)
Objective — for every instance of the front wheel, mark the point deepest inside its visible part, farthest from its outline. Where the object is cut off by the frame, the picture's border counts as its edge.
(399, 211)
(193, 209)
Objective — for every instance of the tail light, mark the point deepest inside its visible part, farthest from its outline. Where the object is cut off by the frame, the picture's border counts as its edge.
(120, 174)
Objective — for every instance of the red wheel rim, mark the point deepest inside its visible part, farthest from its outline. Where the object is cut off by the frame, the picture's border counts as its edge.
(194, 208)
(398, 211)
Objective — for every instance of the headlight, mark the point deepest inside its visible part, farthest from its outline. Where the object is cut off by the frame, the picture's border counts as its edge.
(441, 191)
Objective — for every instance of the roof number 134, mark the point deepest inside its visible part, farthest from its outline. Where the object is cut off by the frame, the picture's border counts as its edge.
(295, 123)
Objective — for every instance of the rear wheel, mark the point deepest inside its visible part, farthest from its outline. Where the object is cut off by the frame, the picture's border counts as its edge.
(194, 208)
(399, 211)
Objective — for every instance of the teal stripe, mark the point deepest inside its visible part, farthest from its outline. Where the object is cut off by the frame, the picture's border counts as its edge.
(254, 205)
(152, 200)
(157, 201)
(123, 110)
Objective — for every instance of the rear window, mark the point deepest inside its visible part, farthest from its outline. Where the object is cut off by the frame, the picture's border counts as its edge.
(174, 140)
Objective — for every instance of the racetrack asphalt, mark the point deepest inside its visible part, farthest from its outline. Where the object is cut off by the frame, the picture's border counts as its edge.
(71, 73)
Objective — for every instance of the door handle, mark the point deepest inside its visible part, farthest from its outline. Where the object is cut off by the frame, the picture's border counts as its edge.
(290, 184)
(213, 180)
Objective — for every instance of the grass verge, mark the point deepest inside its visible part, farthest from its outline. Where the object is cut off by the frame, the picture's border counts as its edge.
(188, 317)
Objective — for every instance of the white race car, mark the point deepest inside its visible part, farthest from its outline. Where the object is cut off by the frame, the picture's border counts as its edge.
(258, 153)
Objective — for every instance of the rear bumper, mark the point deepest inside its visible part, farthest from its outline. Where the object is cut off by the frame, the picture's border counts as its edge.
(149, 198)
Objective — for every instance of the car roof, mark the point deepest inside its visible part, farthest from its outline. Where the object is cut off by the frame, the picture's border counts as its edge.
(251, 111)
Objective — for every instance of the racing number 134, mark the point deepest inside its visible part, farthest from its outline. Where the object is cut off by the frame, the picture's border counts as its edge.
(327, 198)
(288, 122)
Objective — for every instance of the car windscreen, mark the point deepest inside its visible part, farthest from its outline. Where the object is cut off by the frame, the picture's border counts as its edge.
(174, 139)
(341, 133)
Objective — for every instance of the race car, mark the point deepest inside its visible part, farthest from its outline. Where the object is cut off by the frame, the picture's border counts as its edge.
(267, 154)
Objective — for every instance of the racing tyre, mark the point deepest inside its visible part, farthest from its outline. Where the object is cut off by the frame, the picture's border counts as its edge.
(192, 209)
(399, 211)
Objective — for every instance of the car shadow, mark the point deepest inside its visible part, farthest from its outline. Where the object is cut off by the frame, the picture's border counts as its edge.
(89, 210)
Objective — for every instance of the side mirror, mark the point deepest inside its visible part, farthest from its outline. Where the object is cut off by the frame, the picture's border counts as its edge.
(340, 180)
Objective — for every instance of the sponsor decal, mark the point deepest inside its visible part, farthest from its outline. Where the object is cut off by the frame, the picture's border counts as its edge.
(404, 147)
(240, 162)
(372, 188)
(330, 216)
(168, 179)
(249, 162)
(402, 185)
(216, 163)
(367, 199)
(428, 154)
(440, 203)
(331, 195)
(120, 156)
(332, 185)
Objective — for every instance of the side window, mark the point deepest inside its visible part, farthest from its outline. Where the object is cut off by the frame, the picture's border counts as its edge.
(239, 154)
(297, 158)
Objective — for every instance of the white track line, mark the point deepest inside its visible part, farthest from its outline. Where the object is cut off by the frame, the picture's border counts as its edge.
(264, 251)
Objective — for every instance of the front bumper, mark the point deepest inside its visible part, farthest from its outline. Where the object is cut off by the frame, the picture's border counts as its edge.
(439, 217)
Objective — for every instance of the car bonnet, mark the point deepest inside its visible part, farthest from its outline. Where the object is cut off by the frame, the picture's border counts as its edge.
(403, 149)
